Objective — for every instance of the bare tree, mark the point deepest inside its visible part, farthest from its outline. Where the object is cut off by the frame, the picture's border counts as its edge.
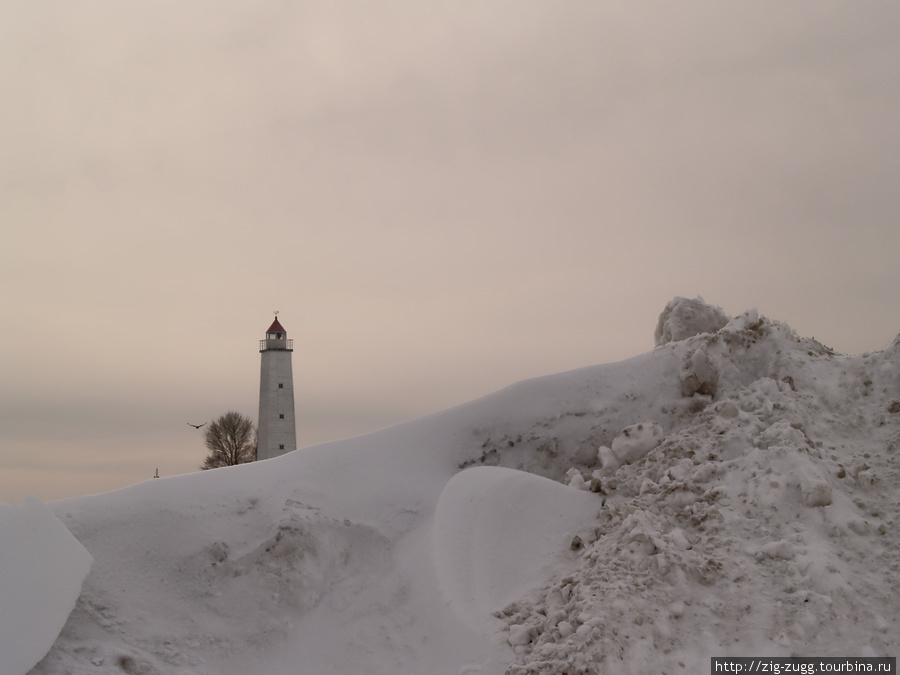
(231, 440)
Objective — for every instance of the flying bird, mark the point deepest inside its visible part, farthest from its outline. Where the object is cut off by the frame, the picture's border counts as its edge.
(196, 426)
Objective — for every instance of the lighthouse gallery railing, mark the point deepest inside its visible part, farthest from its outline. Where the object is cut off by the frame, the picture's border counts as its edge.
(281, 345)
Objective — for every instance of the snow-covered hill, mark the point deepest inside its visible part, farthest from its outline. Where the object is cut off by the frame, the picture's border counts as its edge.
(731, 492)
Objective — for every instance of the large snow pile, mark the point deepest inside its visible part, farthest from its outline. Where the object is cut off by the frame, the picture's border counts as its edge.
(730, 492)
(41, 569)
(765, 523)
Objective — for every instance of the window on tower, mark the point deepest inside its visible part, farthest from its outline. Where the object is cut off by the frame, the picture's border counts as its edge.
(281, 416)
(281, 447)
(280, 385)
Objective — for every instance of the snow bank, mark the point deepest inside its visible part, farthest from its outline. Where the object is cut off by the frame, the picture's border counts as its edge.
(764, 522)
(42, 567)
(498, 533)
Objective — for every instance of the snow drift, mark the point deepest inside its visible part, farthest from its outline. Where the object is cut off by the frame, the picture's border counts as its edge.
(41, 569)
(497, 530)
(731, 492)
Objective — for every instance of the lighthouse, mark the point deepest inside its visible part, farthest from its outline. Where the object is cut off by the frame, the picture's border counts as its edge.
(277, 432)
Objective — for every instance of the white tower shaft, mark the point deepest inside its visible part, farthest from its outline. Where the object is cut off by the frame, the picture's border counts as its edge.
(276, 430)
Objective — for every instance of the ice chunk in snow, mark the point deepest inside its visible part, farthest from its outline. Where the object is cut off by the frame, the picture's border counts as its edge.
(608, 461)
(498, 531)
(635, 441)
(683, 318)
(744, 321)
(629, 446)
(815, 492)
(575, 479)
(41, 569)
(519, 635)
(782, 433)
(779, 549)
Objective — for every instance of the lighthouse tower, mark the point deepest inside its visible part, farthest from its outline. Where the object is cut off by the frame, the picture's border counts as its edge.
(277, 433)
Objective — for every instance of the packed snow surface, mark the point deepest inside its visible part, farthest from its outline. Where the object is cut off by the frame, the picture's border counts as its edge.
(41, 569)
(496, 530)
(732, 492)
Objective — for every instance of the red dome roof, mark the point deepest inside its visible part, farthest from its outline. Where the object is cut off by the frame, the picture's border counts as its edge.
(276, 327)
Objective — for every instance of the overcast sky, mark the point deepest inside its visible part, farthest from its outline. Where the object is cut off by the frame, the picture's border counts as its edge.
(440, 198)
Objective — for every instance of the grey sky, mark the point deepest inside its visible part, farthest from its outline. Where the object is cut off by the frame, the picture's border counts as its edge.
(440, 198)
